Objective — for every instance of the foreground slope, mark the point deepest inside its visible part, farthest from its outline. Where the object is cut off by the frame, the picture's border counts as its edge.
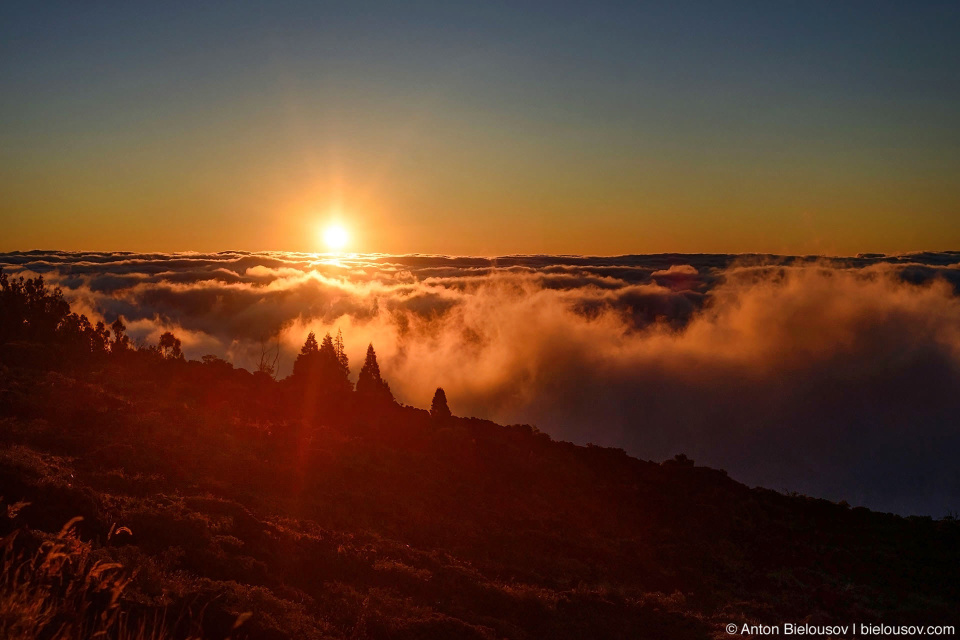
(383, 522)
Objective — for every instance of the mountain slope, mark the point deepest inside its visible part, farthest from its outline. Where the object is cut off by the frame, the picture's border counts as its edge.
(379, 520)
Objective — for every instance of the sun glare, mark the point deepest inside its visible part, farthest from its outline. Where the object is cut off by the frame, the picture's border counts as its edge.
(335, 237)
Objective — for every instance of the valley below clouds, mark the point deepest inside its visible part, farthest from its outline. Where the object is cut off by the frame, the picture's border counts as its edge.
(838, 378)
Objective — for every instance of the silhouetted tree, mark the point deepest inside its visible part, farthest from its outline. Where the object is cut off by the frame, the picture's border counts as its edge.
(121, 341)
(269, 357)
(81, 338)
(99, 338)
(679, 460)
(370, 386)
(333, 363)
(73, 328)
(310, 344)
(439, 408)
(341, 354)
(328, 352)
(306, 361)
(169, 347)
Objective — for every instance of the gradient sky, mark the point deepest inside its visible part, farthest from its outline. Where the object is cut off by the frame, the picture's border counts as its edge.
(483, 127)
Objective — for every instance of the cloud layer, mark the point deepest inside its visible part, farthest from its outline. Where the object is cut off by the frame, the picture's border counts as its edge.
(834, 377)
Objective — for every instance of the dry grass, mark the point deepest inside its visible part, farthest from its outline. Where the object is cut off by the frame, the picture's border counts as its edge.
(60, 591)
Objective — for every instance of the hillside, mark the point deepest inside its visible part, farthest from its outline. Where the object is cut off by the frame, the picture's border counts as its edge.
(220, 503)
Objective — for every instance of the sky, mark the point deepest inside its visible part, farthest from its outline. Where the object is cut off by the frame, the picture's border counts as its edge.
(483, 128)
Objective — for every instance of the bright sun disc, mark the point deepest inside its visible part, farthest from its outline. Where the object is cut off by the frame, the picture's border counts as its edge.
(335, 237)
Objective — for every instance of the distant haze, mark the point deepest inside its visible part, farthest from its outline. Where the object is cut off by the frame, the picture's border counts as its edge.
(837, 377)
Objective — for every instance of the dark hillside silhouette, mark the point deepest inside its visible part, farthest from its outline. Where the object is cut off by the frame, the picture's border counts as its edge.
(223, 503)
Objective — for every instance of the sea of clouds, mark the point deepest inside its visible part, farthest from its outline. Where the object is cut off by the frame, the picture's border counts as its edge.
(837, 378)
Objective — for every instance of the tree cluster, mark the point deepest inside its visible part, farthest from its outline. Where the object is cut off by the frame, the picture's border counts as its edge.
(32, 313)
(322, 371)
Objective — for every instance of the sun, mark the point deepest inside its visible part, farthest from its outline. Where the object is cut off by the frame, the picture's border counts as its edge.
(335, 237)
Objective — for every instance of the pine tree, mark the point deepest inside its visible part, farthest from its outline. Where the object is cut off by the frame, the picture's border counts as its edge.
(327, 350)
(310, 346)
(306, 362)
(341, 354)
(328, 361)
(370, 384)
(370, 365)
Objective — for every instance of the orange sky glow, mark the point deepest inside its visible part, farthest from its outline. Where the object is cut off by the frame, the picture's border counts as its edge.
(468, 132)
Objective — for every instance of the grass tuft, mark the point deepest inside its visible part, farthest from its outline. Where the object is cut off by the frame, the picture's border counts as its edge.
(61, 592)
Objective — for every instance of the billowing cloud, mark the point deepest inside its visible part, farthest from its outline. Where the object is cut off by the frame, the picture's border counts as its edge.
(835, 377)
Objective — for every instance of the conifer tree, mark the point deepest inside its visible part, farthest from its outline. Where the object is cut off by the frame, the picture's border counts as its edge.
(306, 361)
(327, 350)
(310, 346)
(333, 368)
(321, 373)
(341, 354)
(370, 385)
(329, 362)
